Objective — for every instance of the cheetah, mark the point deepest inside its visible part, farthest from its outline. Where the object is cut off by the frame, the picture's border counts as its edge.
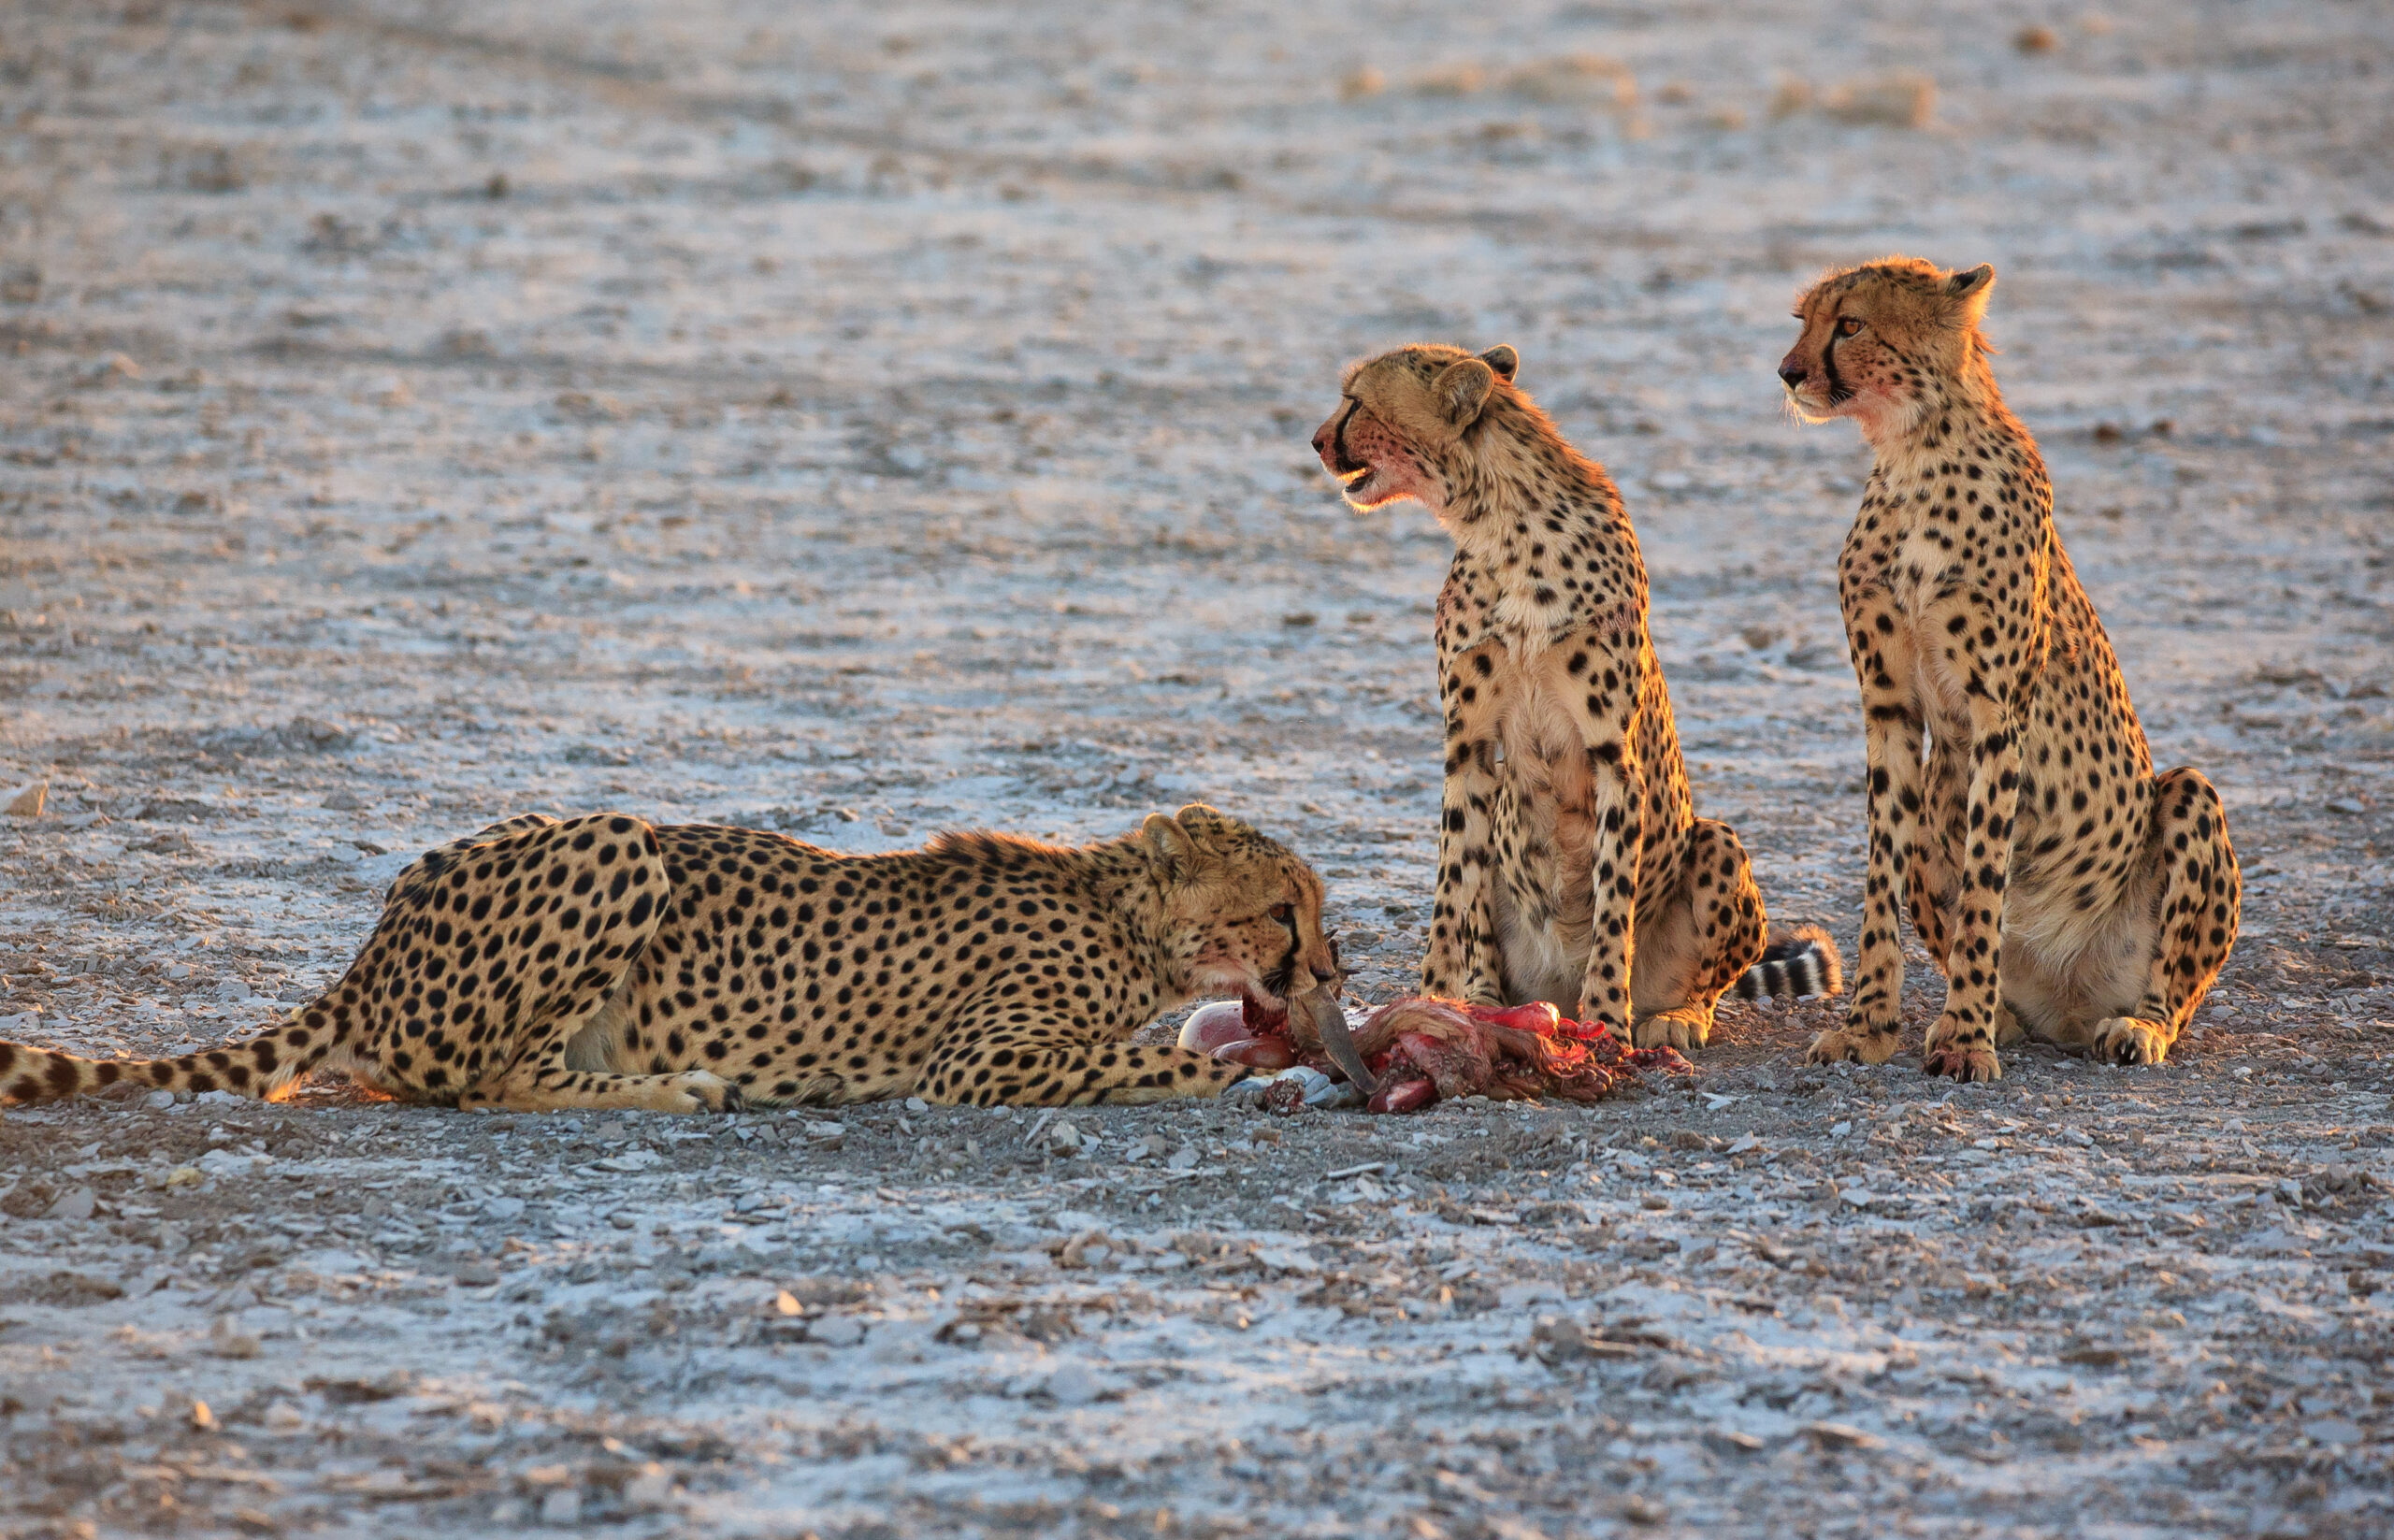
(1572, 868)
(604, 962)
(2065, 890)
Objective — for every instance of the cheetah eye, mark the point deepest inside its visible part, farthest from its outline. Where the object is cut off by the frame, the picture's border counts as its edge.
(1280, 912)
(1847, 327)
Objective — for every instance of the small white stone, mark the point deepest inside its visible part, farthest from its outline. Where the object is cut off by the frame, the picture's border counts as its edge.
(836, 1331)
(75, 1203)
(561, 1506)
(1073, 1385)
(652, 1485)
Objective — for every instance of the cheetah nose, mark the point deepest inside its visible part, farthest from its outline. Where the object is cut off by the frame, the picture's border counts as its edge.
(1792, 373)
(1322, 439)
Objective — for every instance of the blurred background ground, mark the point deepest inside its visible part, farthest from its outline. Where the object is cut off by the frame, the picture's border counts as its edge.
(859, 420)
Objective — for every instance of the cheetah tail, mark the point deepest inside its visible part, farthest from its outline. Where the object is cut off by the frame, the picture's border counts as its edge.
(262, 1067)
(1798, 959)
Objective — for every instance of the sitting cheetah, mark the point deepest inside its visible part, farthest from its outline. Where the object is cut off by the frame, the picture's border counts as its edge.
(1572, 868)
(2117, 890)
(607, 962)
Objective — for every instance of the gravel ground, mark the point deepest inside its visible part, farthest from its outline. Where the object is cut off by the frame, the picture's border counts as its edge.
(862, 421)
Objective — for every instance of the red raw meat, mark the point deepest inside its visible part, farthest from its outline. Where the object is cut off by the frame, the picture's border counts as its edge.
(1425, 1048)
(1246, 1032)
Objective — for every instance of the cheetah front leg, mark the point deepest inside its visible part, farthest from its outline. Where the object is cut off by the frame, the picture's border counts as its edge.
(987, 1058)
(1616, 844)
(556, 1089)
(1461, 960)
(1962, 1043)
(1891, 737)
(2202, 890)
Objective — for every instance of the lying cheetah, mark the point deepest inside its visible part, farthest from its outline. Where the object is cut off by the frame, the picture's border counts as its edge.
(607, 962)
(1571, 865)
(2117, 890)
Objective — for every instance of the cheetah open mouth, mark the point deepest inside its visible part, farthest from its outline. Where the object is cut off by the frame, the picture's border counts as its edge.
(1341, 461)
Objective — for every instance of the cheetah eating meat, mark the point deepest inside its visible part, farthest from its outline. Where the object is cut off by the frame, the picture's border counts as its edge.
(608, 962)
(2065, 889)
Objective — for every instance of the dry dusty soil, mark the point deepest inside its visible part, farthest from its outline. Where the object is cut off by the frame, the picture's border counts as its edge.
(861, 420)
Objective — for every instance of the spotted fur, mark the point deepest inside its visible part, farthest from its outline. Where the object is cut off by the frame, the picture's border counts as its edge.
(1571, 865)
(607, 962)
(2064, 888)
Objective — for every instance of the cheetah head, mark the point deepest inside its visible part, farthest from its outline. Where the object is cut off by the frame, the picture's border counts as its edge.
(1242, 913)
(1403, 420)
(1878, 340)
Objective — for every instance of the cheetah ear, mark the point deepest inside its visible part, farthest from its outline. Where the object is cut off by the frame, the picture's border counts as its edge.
(1461, 391)
(1198, 818)
(1503, 360)
(1969, 290)
(1170, 843)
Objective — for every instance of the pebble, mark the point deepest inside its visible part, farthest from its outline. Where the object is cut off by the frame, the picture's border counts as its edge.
(1073, 1385)
(76, 1203)
(836, 1331)
(202, 1419)
(477, 1274)
(1841, 1435)
(1090, 1248)
(27, 802)
(561, 1506)
(226, 1343)
(284, 1417)
(650, 1486)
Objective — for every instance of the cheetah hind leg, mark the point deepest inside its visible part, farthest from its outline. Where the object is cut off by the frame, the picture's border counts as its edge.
(981, 1063)
(1698, 943)
(2201, 893)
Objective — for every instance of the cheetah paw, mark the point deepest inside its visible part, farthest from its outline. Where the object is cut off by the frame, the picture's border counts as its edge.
(2128, 1040)
(1687, 1033)
(1852, 1044)
(1945, 1054)
(700, 1091)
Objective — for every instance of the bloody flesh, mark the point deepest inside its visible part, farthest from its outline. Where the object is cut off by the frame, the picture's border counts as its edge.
(1422, 1049)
